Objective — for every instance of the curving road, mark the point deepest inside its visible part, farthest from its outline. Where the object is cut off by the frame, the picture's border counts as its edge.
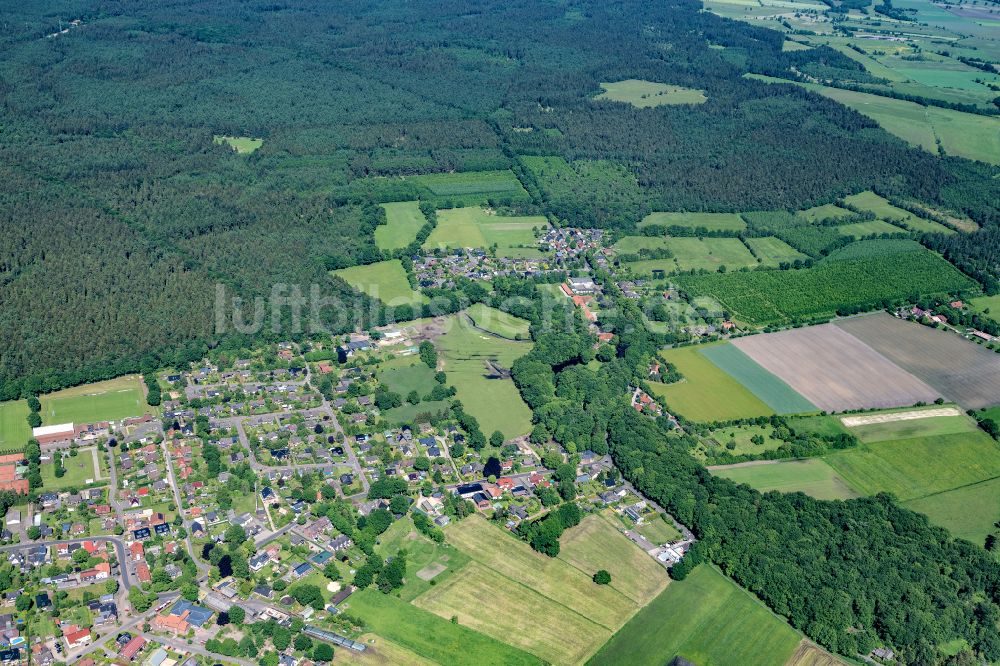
(119, 544)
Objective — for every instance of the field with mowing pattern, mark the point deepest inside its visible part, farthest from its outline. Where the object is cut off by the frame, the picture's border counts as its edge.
(644, 94)
(430, 636)
(773, 251)
(384, 280)
(475, 227)
(102, 401)
(707, 393)
(14, 429)
(814, 477)
(498, 322)
(778, 395)
(709, 221)
(707, 619)
(404, 220)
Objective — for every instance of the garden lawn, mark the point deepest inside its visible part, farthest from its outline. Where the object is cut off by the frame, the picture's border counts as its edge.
(496, 403)
(384, 280)
(814, 477)
(111, 400)
(498, 322)
(430, 636)
(404, 220)
(778, 395)
(707, 619)
(707, 393)
(79, 468)
(14, 429)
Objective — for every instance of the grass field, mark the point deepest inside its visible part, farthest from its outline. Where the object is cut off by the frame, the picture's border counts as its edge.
(416, 377)
(773, 251)
(988, 305)
(925, 427)
(384, 280)
(740, 437)
(869, 228)
(808, 654)
(404, 220)
(778, 395)
(632, 244)
(14, 429)
(463, 184)
(917, 467)
(496, 403)
(475, 227)
(381, 652)
(595, 544)
(968, 512)
(710, 253)
(871, 202)
(498, 322)
(658, 530)
(407, 413)
(707, 619)
(644, 94)
(79, 469)
(823, 212)
(710, 221)
(707, 393)
(241, 144)
(103, 401)
(424, 557)
(430, 636)
(814, 477)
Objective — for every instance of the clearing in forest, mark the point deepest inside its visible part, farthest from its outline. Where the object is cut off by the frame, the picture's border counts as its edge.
(708, 221)
(773, 251)
(644, 94)
(243, 145)
(384, 280)
(404, 220)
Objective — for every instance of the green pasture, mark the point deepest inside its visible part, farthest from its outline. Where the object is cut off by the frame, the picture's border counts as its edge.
(824, 212)
(813, 476)
(241, 144)
(644, 94)
(988, 305)
(740, 437)
(710, 253)
(871, 202)
(14, 429)
(111, 400)
(935, 426)
(707, 619)
(869, 228)
(773, 251)
(773, 391)
(423, 557)
(824, 426)
(384, 280)
(417, 377)
(498, 322)
(479, 184)
(476, 227)
(496, 403)
(632, 244)
(709, 221)
(968, 512)
(707, 393)
(404, 220)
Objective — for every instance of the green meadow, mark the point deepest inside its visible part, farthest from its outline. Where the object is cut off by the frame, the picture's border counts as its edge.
(644, 94)
(384, 280)
(14, 429)
(241, 144)
(111, 400)
(476, 227)
(968, 512)
(709, 221)
(871, 202)
(773, 251)
(498, 322)
(813, 476)
(471, 187)
(869, 228)
(417, 377)
(404, 220)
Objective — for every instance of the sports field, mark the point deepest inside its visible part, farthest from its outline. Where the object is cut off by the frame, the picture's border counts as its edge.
(707, 393)
(14, 429)
(496, 403)
(644, 94)
(404, 220)
(960, 370)
(544, 605)
(112, 400)
(241, 144)
(707, 619)
(773, 251)
(709, 221)
(430, 636)
(918, 467)
(498, 322)
(384, 280)
(834, 370)
(476, 227)
(596, 544)
(813, 476)
(871, 202)
(777, 394)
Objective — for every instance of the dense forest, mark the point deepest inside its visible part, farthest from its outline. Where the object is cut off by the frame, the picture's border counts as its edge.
(119, 214)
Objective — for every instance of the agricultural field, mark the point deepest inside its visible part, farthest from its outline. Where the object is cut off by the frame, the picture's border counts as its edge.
(384, 280)
(476, 227)
(906, 424)
(707, 393)
(644, 94)
(243, 145)
(968, 512)
(14, 429)
(498, 322)
(595, 544)
(868, 228)
(691, 254)
(543, 605)
(777, 394)
(834, 370)
(773, 251)
(404, 220)
(495, 402)
(707, 619)
(873, 203)
(111, 400)
(962, 371)
(471, 187)
(709, 221)
(764, 297)
(918, 467)
(824, 212)
(813, 476)
(429, 636)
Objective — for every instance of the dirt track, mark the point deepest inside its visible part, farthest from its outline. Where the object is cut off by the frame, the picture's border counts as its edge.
(871, 419)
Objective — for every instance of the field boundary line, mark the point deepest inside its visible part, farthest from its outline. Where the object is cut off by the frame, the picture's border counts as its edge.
(961, 487)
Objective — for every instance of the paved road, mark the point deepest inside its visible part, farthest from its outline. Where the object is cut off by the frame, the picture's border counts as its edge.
(183, 647)
(118, 543)
(203, 568)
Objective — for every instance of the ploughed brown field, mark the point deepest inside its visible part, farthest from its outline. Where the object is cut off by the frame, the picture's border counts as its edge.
(835, 370)
(962, 371)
